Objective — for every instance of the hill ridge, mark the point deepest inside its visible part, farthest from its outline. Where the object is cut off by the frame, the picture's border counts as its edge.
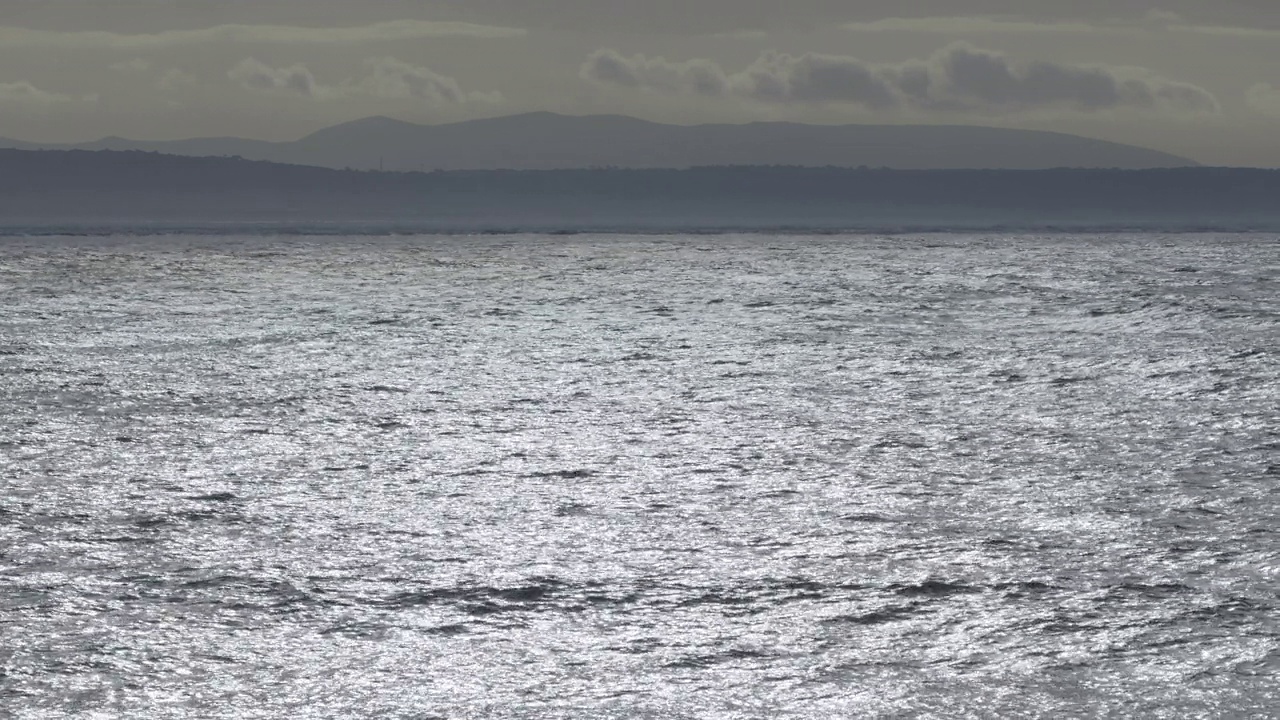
(81, 190)
(546, 140)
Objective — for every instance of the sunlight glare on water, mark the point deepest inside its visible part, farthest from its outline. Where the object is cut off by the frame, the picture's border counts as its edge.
(639, 477)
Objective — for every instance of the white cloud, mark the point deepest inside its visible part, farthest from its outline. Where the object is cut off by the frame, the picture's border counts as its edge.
(25, 94)
(959, 78)
(392, 78)
(1265, 98)
(1152, 21)
(388, 78)
(967, 25)
(261, 34)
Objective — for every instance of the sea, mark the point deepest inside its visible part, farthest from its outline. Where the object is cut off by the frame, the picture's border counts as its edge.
(709, 476)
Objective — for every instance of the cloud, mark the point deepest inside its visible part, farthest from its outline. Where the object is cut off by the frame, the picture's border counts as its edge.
(388, 78)
(136, 65)
(959, 78)
(262, 34)
(25, 94)
(392, 78)
(813, 78)
(176, 78)
(292, 80)
(1152, 21)
(169, 80)
(739, 35)
(967, 78)
(968, 25)
(699, 77)
(1265, 98)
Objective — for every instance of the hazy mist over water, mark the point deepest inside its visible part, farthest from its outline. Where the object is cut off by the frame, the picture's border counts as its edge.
(625, 477)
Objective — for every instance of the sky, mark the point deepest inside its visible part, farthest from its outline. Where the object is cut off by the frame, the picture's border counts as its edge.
(1200, 78)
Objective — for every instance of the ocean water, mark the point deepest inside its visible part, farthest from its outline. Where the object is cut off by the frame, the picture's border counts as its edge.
(640, 477)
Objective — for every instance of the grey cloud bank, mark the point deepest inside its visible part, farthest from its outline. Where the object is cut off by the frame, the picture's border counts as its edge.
(1187, 76)
(959, 78)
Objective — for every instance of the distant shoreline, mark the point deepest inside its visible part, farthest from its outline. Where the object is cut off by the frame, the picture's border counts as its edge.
(106, 192)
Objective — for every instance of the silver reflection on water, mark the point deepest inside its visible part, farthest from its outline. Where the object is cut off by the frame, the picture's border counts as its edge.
(628, 477)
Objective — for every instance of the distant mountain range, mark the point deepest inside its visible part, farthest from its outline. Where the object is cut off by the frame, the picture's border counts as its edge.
(544, 141)
(80, 191)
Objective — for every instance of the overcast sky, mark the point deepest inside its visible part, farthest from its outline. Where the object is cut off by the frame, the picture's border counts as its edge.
(1195, 77)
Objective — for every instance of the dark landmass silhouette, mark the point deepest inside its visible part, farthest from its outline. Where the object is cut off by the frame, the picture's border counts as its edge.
(545, 141)
(42, 189)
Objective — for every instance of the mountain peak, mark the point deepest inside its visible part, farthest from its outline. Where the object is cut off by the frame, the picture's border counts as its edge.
(373, 123)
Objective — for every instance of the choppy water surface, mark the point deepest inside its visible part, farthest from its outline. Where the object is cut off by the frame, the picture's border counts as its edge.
(639, 477)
